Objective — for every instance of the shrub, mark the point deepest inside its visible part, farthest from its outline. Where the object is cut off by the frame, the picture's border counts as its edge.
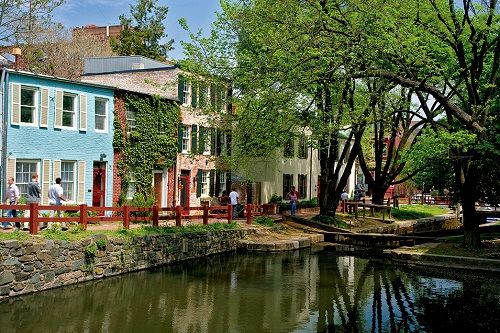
(276, 199)
(264, 220)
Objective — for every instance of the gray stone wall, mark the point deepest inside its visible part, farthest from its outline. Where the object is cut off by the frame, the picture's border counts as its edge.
(41, 264)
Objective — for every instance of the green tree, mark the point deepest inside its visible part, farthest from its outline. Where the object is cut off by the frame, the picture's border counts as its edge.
(143, 31)
(448, 51)
(18, 16)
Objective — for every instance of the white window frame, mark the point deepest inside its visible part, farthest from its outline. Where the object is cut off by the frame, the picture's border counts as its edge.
(208, 142)
(68, 184)
(129, 120)
(105, 116)
(24, 177)
(34, 121)
(186, 93)
(222, 181)
(131, 186)
(223, 145)
(186, 139)
(205, 183)
(73, 112)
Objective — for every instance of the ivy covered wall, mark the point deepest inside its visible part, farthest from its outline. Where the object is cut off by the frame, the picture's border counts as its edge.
(149, 145)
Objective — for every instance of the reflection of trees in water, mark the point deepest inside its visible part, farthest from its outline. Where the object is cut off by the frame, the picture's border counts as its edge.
(377, 302)
(260, 293)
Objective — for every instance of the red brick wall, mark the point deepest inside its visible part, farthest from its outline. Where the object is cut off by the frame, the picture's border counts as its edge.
(121, 117)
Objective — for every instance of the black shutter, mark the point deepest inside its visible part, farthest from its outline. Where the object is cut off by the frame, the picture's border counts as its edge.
(218, 146)
(198, 183)
(194, 136)
(213, 96)
(202, 98)
(179, 135)
(194, 94)
(217, 183)
(212, 180)
(213, 143)
(180, 88)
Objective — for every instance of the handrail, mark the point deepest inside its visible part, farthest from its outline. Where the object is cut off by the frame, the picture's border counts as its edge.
(122, 214)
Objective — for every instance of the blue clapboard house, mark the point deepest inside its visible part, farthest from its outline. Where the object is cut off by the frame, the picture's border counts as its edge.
(57, 128)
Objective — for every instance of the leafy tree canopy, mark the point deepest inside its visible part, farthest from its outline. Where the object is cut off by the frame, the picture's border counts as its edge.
(143, 31)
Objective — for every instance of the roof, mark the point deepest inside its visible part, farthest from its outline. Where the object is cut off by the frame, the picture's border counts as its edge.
(116, 64)
(60, 79)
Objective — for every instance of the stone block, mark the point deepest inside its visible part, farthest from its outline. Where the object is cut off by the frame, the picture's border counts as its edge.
(49, 245)
(11, 261)
(11, 244)
(77, 264)
(6, 277)
(4, 290)
(35, 278)
(49, 276)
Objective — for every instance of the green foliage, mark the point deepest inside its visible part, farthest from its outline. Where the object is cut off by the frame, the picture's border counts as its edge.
(412, 212)
(331, 220)
(101, 244)
(143, 31)
(264, 220)
(276, 199)
(152, 145)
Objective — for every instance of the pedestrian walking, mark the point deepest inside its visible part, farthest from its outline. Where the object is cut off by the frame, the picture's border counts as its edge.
(55, 199)
(12, 198)
(33, 196)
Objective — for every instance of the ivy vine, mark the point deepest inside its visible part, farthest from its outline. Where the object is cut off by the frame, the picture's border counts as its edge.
(151, 145)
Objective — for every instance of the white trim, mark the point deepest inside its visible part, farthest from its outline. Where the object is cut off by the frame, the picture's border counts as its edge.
(106, 114)
(35, 90)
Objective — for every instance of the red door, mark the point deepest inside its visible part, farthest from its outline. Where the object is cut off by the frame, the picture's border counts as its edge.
(158, 181)
(184, 190)
(99, 184)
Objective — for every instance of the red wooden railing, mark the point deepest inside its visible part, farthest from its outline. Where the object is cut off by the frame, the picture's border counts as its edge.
(124, 214)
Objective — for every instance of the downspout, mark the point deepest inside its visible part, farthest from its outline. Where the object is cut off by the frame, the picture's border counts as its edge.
(310, 172)
(3, 131)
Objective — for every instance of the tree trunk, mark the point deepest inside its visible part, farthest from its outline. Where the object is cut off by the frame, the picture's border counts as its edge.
(378, 193)
(465, 180)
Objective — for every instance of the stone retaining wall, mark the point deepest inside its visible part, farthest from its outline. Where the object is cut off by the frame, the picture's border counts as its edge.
(41, 264)
(435, 223)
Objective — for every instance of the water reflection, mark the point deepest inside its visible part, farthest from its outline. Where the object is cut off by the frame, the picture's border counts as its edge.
(289, 292)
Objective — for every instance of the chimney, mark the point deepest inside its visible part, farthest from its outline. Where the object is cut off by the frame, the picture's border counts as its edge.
(16, 51)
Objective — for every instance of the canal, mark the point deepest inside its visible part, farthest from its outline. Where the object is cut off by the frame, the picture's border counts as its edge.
(303, 291)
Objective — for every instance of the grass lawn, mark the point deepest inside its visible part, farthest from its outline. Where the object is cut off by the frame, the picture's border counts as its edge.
(75, 233)
(413, 212)
(453, 247)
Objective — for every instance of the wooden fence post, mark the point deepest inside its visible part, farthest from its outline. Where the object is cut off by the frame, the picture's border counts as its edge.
(205, 214)
(178, 216)
(249, 213)
(364, 207)
(229, 213)
(34, 218)
(126, 217)
(155, 216)
(83, 216)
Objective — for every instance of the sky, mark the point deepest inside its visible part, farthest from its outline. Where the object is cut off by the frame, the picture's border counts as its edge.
(198, 13)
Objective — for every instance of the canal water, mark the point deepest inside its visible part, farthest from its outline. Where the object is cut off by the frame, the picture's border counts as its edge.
(302, 291)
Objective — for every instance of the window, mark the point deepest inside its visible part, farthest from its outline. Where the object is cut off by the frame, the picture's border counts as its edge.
(205, 139)
(303, 147)
(185, 92)
(185, 139)
(24, 170)
(222, 181)
(205, 183)
(101, 114)
(68, 112)
(287, 184)
(130, 120)
(288, 149)
(68, 180)
(131, 186)
(223, 145)
(302, 186)
(28, 105)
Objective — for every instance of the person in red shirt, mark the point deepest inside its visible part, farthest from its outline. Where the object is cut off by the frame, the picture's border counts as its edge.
(293, 196)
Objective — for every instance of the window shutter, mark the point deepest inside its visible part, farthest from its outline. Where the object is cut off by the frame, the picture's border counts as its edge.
(218, 145)
(228, 181)
(59, 108)
(180, 88)
(56, 169)
(44, 108)
(83, 112)
(16, 104)
(179, 135)
(194, 136)
(194, 95)
(213, 135)
(198, 183)
(202, 95)
(212, 182)
(11, 168)
(217, 183)
(45, 181)
(81, 182)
